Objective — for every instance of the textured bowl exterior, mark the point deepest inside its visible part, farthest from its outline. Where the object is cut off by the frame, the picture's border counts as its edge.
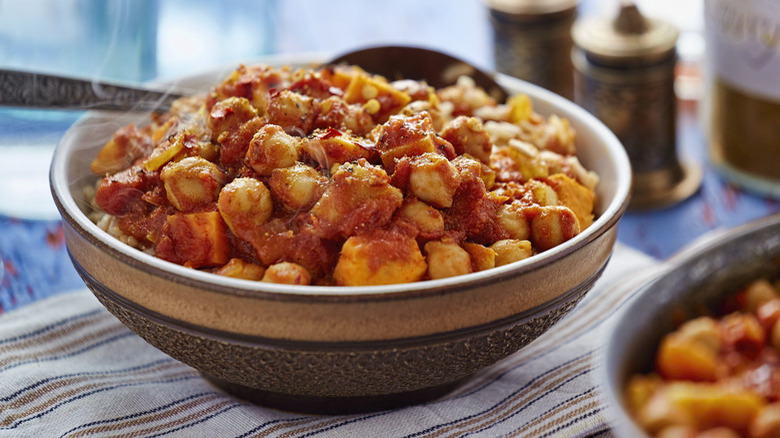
(693, 282)
(338, 343)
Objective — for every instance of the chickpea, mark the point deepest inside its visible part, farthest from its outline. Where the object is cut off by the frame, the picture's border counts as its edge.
(191, 182)
(228, 114)
(245, 204)
(446, 259)
(428, 220)
(704, 331)
(468, 136)
(272, 148)
(553, 226)
(237, 268)
(292, 111)
(434, 179)
(541, 193)
(408, 136)
(335, 113)
(511, 250)
(298, 186)
(513, 220)
(287, 273)
(471, 169)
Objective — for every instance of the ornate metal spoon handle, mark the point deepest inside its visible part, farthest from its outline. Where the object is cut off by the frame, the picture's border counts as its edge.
(34, 90)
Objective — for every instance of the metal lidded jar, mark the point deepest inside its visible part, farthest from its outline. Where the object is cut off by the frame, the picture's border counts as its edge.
(743, 104)
(532, 41)
(624, 75)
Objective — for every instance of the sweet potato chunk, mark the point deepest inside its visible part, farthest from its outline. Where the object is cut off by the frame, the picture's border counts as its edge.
(481, 257)
(331, 146)
(681, 359)
(128, 144)
(194, 240)
(575, 196)
(409, 136)
(379, 257)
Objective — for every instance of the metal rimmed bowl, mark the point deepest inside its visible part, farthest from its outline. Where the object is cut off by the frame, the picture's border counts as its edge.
(338, 349)
(695, 283)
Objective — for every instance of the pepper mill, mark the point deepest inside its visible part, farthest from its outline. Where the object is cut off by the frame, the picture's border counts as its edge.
(532, 41)
(624, 75)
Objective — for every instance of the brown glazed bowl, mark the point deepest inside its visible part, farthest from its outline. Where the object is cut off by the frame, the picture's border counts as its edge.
(338, 349)
(693, 283)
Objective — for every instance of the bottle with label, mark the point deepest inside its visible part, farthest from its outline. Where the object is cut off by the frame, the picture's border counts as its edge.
(743, 104)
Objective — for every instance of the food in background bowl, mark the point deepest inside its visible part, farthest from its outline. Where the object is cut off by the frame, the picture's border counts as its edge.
(716, 369)
(338, 177)
(716, 374)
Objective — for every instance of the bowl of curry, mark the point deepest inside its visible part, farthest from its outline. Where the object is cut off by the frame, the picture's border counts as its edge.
(697, 352)
(322, 239)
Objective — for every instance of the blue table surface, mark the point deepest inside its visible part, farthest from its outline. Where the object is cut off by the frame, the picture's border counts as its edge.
(35, 263)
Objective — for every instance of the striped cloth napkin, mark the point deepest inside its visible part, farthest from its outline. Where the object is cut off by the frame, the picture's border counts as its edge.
(68, 368)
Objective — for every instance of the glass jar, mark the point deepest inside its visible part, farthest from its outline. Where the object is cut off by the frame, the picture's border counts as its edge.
(743, 78)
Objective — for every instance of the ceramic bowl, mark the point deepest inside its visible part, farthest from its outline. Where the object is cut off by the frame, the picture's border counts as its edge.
(696, 281)
(338, 349)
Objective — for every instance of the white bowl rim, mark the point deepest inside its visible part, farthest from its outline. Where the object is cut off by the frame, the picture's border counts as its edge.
(607, 219)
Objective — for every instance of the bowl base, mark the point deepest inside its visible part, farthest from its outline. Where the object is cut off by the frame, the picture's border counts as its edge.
(304, 404)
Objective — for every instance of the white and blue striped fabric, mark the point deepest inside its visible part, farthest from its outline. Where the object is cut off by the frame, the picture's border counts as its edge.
(68, 368)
